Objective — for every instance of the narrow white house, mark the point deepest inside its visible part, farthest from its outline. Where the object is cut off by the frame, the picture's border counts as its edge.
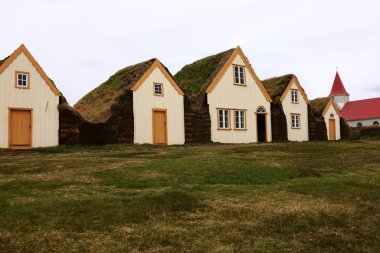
(238, 104)
(29, 116)
(332, 116)
(288, 91)
(142, 103)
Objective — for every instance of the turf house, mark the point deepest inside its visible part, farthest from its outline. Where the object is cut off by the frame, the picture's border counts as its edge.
(29, 116)
(326, 108)
(226, 101)
(138, 104)
(290, 108)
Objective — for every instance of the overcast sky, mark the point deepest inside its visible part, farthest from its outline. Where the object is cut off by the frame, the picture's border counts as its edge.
(81, 43)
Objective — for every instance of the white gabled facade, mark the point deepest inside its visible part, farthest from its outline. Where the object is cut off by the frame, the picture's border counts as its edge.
(296, 111)
(332, 116)
(145, 101)
(40, 98)
(224, 94)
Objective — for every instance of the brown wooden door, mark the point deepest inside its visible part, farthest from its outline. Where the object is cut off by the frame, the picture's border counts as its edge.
(159, 127)
(20, 129)
(332, 134)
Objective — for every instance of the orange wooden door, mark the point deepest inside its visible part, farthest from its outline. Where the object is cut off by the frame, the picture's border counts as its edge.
(159, 127)
(20, 129)
(332, 133)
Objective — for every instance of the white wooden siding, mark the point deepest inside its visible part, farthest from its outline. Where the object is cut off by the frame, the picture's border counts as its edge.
(301, 134)
(40, 98)
(144, 102)
(330, 111)
(227, 95)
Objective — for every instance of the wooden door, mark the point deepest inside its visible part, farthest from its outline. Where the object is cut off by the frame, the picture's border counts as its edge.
(159, 127)
(20, 129)
(261, 127)
(332, 133)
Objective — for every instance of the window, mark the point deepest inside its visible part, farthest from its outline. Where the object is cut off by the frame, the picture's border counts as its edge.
(22, 80)
(376, 123)
(158, 89)
(260, 110)
(359, 124)
(223, 118)
(239, 75)
(239, 119)
(294, 94)
(295, 121)
(331, 115)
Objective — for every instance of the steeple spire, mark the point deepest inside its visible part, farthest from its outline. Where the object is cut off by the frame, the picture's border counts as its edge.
(338, 88)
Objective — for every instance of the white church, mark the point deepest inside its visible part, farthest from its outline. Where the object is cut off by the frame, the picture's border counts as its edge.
(357, 113)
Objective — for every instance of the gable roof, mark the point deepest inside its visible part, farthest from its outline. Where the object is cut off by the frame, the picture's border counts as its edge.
(362, 109)
(22, 49)
(203, 75)
(333, 104)
(319, 104)
(280, 86)
(196, 77)
(338, 87)
(97, 104)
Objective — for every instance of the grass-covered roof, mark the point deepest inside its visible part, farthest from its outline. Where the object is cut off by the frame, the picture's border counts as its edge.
(277, 85)
(196, 77)
(319, 104)
(96, 105)
(2, 61)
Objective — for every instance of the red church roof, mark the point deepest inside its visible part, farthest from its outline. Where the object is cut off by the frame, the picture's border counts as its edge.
(362, 109)
(338, 87)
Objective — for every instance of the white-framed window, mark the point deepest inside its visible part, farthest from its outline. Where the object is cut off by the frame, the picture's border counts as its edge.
(294, 94)
(158, 89)
(22, 80)
(359, 124)
(296, 120)
(240, 119)
(260, 109)
(239, 75)
(331, 115)
(376, 123)
(223, 119)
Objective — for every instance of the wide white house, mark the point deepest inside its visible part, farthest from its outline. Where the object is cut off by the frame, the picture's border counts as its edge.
(238, 104)
(288, 91)
(141, 103)
(29, 116)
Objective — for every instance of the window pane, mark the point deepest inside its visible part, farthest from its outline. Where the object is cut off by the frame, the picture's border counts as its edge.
(226, 119)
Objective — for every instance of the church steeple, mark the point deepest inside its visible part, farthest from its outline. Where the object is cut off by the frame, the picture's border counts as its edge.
(338, 92)
(338, 87)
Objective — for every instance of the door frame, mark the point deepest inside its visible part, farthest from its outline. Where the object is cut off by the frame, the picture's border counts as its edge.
(330, 139)
(266, 126)
(10, 109)
(166, 124)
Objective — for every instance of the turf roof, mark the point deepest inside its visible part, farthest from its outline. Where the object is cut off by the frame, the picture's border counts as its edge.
(277, 85)
(96, 105)
(2, 61)
(196, 77)
(319, 104)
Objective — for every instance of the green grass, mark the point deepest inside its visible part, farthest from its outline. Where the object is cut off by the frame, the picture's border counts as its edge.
(284, 197)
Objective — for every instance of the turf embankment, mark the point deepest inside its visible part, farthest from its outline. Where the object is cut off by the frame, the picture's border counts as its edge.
(287, 197)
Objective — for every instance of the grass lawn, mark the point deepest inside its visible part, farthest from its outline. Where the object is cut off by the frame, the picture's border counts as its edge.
(285, 197)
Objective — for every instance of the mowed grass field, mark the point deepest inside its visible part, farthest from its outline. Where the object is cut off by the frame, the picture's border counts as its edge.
(284, 197)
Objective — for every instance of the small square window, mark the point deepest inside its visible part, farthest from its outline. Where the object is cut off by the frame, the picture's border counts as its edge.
(22, 80)
(295, 121)
(294, 94)
(239, 75)
(239, 119)
(223, 119)
(158, 89)
(331, 115)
